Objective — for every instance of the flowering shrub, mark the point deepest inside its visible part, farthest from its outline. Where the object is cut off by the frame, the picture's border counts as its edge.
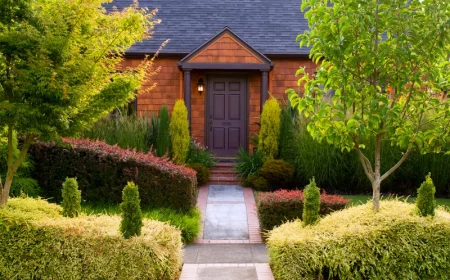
(275, 208)
(102, 170)
(197, 153)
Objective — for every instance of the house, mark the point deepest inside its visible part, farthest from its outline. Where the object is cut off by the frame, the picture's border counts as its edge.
(223, 59)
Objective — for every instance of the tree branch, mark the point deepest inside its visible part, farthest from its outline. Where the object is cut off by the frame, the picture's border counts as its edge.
(393, 168)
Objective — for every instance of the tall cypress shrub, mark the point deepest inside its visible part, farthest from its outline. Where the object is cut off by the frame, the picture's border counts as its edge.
(179, 129)
(71, 202)
(311, 204)
(425, 202)
(163, 138)
(286, 136)
(131, 223)
(269, 134)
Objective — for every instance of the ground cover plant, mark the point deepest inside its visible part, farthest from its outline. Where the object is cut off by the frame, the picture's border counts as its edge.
(58, 72)
(383, 68)
(37, 242)
(188, 223)
(102, 170)
(358, 243)
(275, 208)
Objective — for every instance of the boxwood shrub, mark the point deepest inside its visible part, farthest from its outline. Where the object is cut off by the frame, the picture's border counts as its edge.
(102, 171)
(275, 208)
(38, 243)
(357, 243)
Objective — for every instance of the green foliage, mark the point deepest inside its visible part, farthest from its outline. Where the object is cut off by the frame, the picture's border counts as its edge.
(311, 203)
(71, 203)
(131, 223)
(287, 135)
(246, 164)
(128, 132)
(357, 243)
(179, 129)
(23, 183)
(425, 202)
(258, 183)
(269, 133)
(188, 222)
(163, 138)
(203, 173)
(278, 173)
(58, 72)
(386, 90)
(199, 154)
(34, 235)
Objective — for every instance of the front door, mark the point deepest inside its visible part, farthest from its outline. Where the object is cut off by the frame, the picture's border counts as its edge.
(226, 120)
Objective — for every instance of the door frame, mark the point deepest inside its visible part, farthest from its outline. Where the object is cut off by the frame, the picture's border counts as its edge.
(240, 75)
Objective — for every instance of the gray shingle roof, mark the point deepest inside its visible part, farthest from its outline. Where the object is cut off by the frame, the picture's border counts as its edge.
(270, 26)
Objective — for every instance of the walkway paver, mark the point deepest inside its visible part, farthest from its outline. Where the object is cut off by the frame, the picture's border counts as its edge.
(230, 244)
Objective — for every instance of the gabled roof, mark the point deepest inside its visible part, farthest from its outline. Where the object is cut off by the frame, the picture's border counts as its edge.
(269, 26)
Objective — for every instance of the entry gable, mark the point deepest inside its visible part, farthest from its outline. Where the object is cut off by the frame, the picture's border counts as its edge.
(226, 48)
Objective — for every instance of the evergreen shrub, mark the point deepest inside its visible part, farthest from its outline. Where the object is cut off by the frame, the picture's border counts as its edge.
(179, 130)
(269, 133)
(278, 173)
(71, 198)
(203, 173)
(311, 204)
(425, 201)
(131, 224)
(163, 136)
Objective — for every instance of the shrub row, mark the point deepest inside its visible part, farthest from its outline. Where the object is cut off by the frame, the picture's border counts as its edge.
(38, 243)
(275, 208)
(102, 171)
(358, 243)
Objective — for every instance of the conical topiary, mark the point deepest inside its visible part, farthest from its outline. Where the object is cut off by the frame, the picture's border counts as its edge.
(425, 202)
(179, 130)
(269, 134)
(71, 203)
(163, 138)
(131, 223)
(311, 204)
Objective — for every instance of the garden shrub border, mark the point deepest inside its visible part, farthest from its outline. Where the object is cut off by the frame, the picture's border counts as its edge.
(102, 170)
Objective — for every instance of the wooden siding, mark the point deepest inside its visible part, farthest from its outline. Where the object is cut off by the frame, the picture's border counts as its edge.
(254, 80)
(225, 50)
(282, 76)
(198, 107)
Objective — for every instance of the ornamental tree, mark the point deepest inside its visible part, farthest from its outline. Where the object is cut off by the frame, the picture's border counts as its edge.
(58, 68)
(382, 79)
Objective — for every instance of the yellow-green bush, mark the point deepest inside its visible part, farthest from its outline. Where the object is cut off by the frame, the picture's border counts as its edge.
(269, 134)
(357, 243)
(179, 130)
(38, 243)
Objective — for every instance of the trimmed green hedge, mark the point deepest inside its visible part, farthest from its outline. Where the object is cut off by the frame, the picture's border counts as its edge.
(38, 243)
(357, 243)
(102, 170)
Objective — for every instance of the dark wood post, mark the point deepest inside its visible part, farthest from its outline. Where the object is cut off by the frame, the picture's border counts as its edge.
(187, 93)
(264, 87)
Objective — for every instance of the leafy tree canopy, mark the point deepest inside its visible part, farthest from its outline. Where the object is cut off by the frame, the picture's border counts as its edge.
(383, 76)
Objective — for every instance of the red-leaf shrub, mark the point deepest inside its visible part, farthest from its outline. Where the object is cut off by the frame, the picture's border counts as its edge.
(275, 208)
(102, 170)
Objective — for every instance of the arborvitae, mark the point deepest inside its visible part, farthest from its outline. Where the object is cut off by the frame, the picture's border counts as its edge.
(269, 134)
(163, 138)
(425, 202)
(286, 136)
(131, 223)
(179, 129)
(71, 203)
(311, 204)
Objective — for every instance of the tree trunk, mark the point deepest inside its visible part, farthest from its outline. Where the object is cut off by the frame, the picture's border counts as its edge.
(5, 190)
(376, 194)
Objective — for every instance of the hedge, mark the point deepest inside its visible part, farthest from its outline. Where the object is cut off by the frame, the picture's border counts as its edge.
(357, 243)
(38, 243)
(102, 171)
(275, 208)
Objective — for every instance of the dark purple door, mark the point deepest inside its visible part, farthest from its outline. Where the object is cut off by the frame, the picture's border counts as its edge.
(226, 123)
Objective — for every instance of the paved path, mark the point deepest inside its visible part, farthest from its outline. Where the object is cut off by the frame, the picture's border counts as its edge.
(229, 246)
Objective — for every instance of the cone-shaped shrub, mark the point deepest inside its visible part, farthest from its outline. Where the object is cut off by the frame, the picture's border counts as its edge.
(71, 198)
(131, 223)
(425, 202)
(163, 138)
(311, 204)
(179, 130)
(269, 134)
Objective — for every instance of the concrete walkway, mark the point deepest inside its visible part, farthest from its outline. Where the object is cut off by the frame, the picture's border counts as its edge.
(229, 246)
